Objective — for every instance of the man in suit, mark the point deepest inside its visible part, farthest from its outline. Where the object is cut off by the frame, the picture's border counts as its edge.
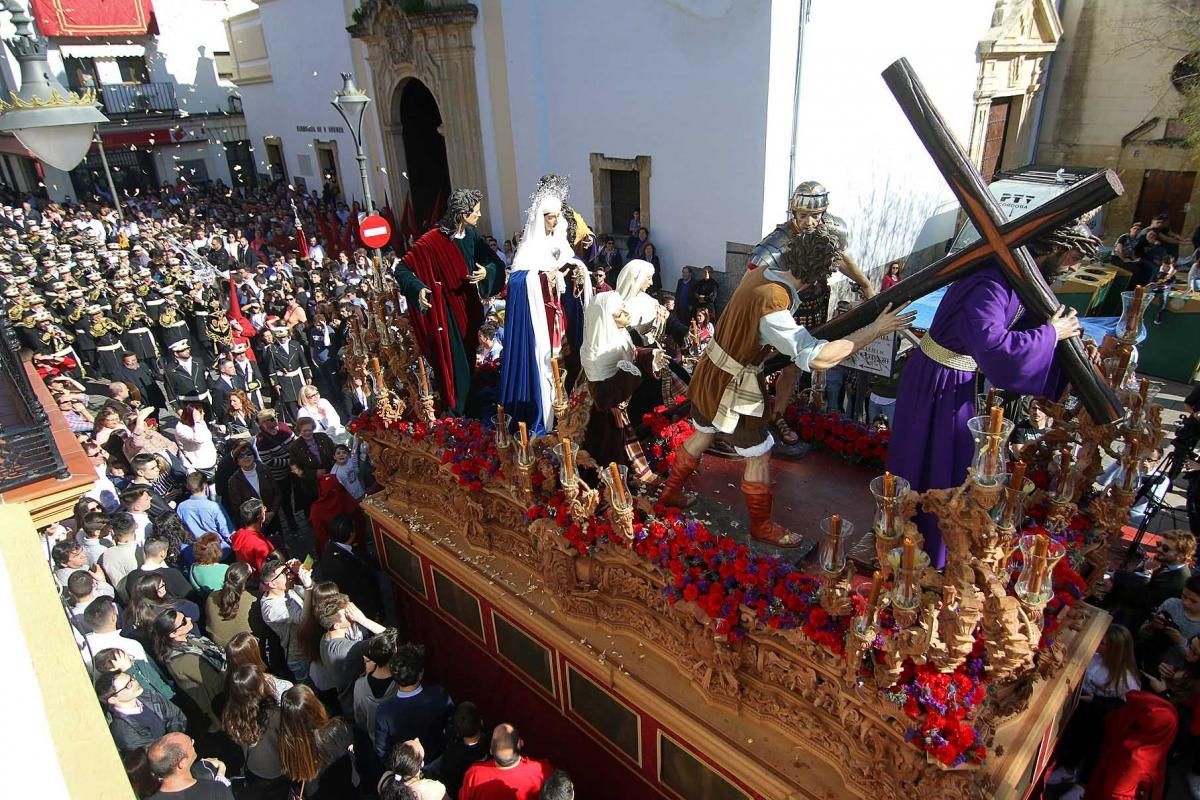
(138, 376)
(252, 481)
(227, 383)
(311, 455)
(248, 374)
(345, 564)
(1135, 594)
(185, 378)
(246, 255)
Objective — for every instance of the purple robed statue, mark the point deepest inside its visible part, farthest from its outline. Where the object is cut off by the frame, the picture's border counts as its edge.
(980, 317)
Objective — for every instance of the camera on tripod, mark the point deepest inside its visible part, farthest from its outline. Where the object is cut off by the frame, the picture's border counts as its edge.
(1183, 446)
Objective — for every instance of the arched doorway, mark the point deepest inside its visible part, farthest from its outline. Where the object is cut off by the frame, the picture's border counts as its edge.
(415, 114)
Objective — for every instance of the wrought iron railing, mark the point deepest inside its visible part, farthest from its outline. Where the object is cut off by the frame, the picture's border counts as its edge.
(27, 449)
(138, 98)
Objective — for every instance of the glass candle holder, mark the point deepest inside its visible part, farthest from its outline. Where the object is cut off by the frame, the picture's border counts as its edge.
(1066, 476)
(1133, 311)
(889, 523)
(503, 437)
(990, 448)
(985, 400)
(906, 593)
(833, 543)
(818, 381)
(568, 470)
(523, 452)
(618, 486)
(1039, 554)
(1011, 507)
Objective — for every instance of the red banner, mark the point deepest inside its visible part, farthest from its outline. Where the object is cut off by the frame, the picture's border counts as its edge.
(75, 19)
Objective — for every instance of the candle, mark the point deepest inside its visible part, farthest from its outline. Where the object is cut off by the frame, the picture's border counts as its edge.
(1038, 569)
(1018, 476)
(618, 487)
(1064, 468)
(909, 562)
(873, 597)
(835, 537)
(889, 503)
(1118, 378)
(500, 422)
(558, 387)
(1130, 464)
(991, 400)
(993, 443)
(1144, 390)
(424, 376)
(568, 459)
(1135, 309)
(376, 371)
(524, 436)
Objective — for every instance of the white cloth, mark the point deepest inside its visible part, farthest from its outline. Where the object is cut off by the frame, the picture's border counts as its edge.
(642, 308)
(103, 641)
(779, 330)
(604, 344)
(324, 415)
(196, 447)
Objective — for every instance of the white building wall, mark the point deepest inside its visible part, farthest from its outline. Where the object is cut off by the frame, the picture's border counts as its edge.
(189, 32)
(685, 82)
(852, 135)
(309, 49)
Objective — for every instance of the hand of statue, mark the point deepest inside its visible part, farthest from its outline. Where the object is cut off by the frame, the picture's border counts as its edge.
(890, 320)
(661, 360)
(662, 313)
(1065, 322)
(425, 298)
(478, 274)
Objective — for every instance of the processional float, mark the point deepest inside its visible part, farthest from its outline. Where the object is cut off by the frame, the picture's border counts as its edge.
(848, 676)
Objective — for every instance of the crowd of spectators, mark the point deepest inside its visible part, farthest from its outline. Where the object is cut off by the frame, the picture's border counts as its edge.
(218, 578)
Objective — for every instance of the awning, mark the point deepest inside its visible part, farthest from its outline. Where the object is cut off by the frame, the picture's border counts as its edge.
(94, 18)
(102, 51)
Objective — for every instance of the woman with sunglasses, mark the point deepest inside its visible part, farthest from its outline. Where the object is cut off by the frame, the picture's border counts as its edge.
(195, 663)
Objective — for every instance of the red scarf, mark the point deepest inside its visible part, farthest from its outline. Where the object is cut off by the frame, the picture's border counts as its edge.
(439, 264)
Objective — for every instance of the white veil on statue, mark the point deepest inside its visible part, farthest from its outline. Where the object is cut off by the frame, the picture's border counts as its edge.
(538, 253)
(642, 308)
(605, 345)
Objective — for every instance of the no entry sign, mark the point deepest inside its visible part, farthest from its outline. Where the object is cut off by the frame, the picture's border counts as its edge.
(374, 231)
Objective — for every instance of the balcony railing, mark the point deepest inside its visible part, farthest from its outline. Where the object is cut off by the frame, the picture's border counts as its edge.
(27, 449)
(138, 98)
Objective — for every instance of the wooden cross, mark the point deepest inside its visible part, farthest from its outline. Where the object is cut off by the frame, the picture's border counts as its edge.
(1000, 242)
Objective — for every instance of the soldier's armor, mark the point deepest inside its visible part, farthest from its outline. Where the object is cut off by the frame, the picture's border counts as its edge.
(768, 253)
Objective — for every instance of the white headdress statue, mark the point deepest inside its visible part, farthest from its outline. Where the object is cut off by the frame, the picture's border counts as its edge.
(546, 253)
(605, 345)
(538, 250)
(631, 286)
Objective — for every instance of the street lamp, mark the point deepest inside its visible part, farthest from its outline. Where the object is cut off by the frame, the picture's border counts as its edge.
(351, 102)
(56, 125)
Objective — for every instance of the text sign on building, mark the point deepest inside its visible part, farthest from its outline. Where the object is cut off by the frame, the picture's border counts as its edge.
(877, 358)
(320, 129)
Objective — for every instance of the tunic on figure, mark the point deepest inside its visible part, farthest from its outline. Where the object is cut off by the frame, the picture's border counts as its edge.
(980, 316)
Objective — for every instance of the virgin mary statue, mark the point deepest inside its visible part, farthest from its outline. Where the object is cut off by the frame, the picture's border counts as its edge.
(535, 327)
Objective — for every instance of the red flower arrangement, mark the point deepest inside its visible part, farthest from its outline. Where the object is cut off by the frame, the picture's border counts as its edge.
(852, 441)
(668, 437)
